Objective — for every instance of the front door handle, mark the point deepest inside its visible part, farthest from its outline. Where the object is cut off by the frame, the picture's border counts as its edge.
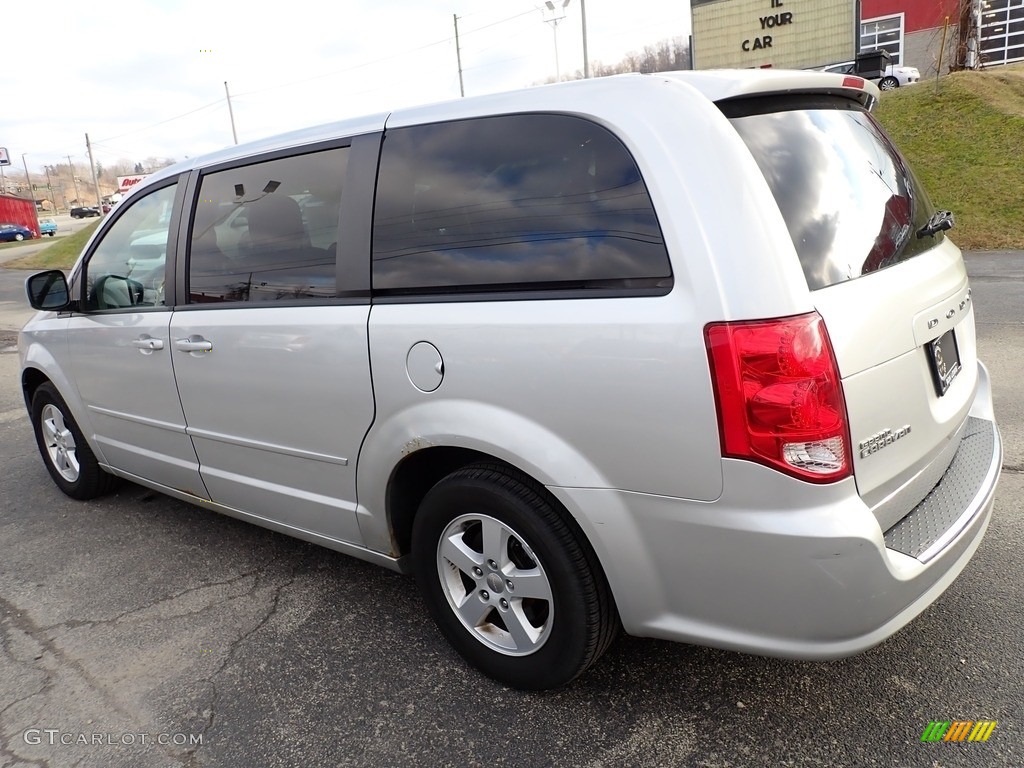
(193, 344)
(147, 343)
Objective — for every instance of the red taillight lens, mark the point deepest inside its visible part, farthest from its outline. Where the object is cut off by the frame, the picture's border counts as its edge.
(780, 400)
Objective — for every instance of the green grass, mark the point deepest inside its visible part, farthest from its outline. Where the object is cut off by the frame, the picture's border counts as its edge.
(966, 144)
(13, 244)
(60, 255)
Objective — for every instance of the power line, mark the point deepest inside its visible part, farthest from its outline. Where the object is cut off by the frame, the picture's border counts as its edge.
(217, 103)
(220, 103)
(401, 54)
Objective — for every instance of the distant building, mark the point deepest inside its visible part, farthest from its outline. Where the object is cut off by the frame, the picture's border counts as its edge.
(811, 33)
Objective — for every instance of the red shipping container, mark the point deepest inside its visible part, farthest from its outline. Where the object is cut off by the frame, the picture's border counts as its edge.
(18, 210)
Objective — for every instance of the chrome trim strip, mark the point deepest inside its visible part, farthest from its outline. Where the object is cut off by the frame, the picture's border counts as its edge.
(269, 447)
(170, 427)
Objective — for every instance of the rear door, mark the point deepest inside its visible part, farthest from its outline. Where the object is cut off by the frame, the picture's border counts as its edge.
(891, 287)
(270, 345)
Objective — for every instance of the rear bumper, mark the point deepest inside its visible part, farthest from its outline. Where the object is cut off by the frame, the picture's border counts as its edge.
(782, 568)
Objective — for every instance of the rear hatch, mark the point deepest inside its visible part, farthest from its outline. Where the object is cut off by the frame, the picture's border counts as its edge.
(890, 286)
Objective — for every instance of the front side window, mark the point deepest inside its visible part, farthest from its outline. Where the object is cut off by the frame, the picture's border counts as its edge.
(268, 231)
(510, 203)
(126, 269)
(849, 199)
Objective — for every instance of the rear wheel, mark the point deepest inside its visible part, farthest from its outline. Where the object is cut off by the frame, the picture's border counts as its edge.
(509, 581)
(888, 83)
(68, 458)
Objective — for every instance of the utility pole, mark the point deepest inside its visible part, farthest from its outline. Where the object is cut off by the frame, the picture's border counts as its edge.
(27, 179)
(586, 58)
(49, 187)
(95, 181)
(231, 112)
(553, 21)
(73, 179)
(458, 54)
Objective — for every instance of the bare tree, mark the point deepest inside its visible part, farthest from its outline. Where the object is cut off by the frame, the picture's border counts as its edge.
(664, 56)
(156, 163)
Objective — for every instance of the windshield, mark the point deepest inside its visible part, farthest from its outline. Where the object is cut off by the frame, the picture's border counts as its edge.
(849, 199)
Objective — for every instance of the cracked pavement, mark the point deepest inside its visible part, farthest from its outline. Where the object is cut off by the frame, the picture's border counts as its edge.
(136, 615)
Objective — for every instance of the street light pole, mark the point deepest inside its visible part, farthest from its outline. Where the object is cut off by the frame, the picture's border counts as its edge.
(553, 21)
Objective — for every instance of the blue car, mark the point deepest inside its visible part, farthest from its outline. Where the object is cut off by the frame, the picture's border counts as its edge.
(47, 227)
(10, 232)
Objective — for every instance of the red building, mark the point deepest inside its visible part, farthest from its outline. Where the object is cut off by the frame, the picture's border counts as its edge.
(977, 32)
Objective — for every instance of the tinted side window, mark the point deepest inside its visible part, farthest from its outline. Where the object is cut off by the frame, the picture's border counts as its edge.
(126, 269)
(513, 202)
(268, 231)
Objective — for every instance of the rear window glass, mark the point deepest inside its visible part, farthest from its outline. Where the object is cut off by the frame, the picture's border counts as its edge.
(850, 201)
(534, 202)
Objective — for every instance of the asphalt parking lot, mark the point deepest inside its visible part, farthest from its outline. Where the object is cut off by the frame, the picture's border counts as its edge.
(139, 631)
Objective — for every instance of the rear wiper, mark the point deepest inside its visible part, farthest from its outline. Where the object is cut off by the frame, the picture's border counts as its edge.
(939, 221)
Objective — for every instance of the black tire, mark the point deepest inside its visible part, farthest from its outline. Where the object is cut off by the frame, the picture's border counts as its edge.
(544, 550)
(19, 237)
(67, 456)
(889, 84)
(51, 234)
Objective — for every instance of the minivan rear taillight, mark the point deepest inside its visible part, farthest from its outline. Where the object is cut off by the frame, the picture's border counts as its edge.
(779, 397)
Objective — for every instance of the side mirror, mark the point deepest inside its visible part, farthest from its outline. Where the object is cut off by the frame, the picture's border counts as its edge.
(48, 291)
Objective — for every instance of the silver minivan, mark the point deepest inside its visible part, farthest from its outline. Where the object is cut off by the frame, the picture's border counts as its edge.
(687, 354)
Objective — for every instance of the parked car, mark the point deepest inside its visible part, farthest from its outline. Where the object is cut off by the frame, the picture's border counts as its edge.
(895, 75)
(85, 212)
(689, 354)
(47, 227)
(9, 232)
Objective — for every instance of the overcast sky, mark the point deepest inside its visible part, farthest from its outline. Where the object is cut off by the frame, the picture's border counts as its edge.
(145, 78)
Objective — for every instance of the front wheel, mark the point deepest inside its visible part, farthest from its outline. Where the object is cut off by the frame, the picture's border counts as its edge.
(68, 458)
(888, 83)
(19, 237)
(510, 582)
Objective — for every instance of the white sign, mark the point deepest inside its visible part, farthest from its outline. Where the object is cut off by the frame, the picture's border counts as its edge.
(125, 183)
(790, 34)
(4, 159)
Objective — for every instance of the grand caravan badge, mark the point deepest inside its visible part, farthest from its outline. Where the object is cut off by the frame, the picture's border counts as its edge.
(883, 439)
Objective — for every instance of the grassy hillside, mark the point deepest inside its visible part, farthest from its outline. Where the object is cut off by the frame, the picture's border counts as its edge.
(60, 255)
(966, 144)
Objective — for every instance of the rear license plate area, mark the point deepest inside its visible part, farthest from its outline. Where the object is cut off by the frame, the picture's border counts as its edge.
(944, 360)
